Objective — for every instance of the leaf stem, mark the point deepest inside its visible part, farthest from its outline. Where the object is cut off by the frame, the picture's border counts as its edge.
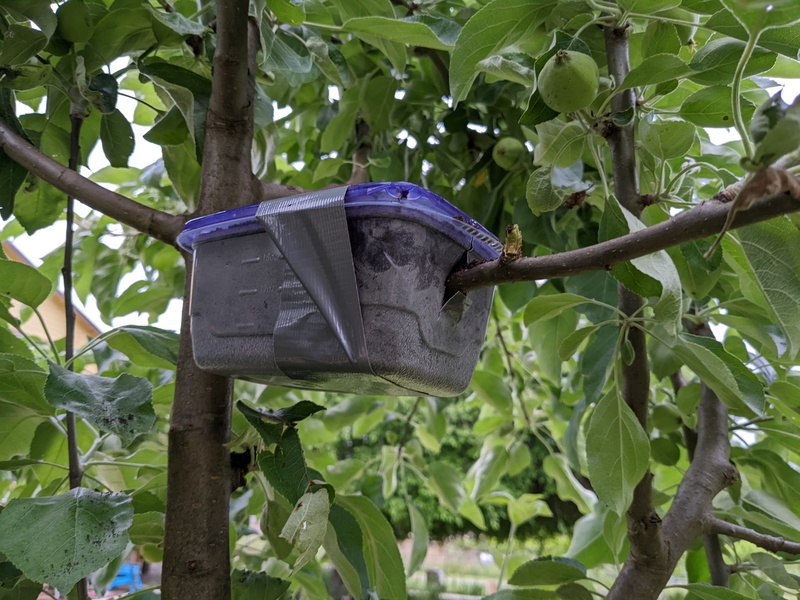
(684, 171)
(512, 531)
(53, 349)
(736, 84)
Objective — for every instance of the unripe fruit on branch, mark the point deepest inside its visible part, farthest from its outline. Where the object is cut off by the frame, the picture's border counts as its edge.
(507, 153)
(569, 81)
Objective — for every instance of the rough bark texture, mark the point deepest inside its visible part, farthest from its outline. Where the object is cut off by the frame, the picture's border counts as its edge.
(196, 553)
(196, 556)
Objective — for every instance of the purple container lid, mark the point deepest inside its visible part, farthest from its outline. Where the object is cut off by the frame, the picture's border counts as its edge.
(401, 200)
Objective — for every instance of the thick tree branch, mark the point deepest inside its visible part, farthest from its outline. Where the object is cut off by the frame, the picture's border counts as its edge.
(720, 573)
(767, 542)
(196, 554)
(360, 172)
(155, 223)
(699, 222)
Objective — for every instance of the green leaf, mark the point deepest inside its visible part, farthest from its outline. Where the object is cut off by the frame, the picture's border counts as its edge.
(384, 564)
(772, 249)
(120, 31)
(348, 553)
(341, 127)
(707, 592)
(774, 568)
(784, 40)
(146, 346)
(24, 283)
(22, 383)
(596, 361)
(734, 384)
(20, 43)
(651, 275)
(377, 111)
(656, 69)
(353, 9)
(178, 23)
(573, 591)
(711, 107)
(283, 52)
(248, 585)
(666, 139)
(447, 484)
(493, 390)
(540, 193)
(38, 11)
(618, 452)
(348, 572)
(715, 61)
(170, 130)
(122, 406)
(758, 16)
(537, 111)
(306, 526)
(291, 12)
(425, 31)
(548, 571)
(648, 5)
(39, 207)
(775, 134)
(572, 342)
(85, 530)
(117, 137)
(547, 306)
(495, 26)
(285, 468)
(329, 60)
(546, 338)
(147, 528)
(515, 67)
(560, 143)
(568, 487)
(191, 93)
(527, 507)
(420, 540)
(660, 38)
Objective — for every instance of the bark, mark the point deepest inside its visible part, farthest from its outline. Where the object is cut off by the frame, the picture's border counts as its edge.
(196, 553)
(644, 524)
(690, 514)
(155, 223)
(702, 221)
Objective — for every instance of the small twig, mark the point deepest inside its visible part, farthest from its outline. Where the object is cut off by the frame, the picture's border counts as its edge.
(407, 426)
(75, 469)
(762, 540)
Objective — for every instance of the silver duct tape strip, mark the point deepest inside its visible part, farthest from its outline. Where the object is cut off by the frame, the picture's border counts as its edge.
(319, 327)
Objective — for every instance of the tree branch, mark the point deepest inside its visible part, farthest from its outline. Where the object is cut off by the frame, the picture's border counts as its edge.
(767, 542)
(360, 172)
(155, 223)
(699, 222)
(644, 524)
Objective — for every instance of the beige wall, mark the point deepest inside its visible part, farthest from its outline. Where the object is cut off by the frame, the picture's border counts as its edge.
(52, 311)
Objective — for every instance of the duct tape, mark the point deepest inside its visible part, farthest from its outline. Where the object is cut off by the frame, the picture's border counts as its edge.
(319, 327)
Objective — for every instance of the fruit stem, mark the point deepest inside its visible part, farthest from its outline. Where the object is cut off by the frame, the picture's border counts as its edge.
(736, 103)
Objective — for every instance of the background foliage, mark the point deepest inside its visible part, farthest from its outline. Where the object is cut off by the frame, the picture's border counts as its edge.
(542, 441)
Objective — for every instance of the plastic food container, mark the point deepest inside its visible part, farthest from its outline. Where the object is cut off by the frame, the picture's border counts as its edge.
(340, 290)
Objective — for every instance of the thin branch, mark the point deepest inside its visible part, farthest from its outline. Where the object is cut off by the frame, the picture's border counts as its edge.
(702, 221)
(720, 572)
(75, 470)
(767, 542)
(360, 172)
(644, 523)
(158, 224)
(407, 426)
